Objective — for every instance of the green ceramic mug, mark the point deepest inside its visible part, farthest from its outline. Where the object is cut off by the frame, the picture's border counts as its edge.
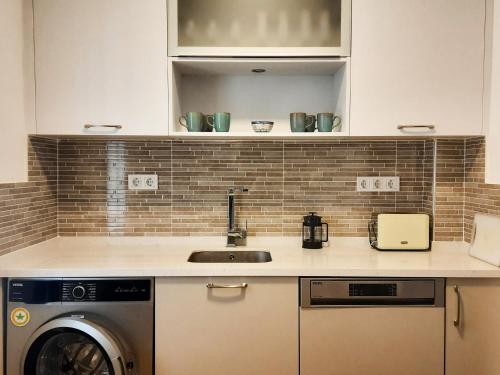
(301, 122)
(311, 128)
(220, 121)
(207, 128)
(193, 121)
(327, 122)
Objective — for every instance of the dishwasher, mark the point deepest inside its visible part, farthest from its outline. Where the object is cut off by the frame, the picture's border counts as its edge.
(372, 326)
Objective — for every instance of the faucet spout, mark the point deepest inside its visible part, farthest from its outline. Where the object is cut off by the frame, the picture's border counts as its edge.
(235, 236)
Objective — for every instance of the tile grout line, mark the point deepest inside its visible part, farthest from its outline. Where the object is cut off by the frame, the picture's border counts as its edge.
(283, 189)
(57, 187)
(434, 189)
(423, 175)
(171, 187)
(463, 195)
(395, 174)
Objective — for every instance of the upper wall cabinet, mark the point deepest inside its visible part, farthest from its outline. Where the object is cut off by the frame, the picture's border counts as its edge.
(417, 67)
(492, 93)
(259, 27)
(101, 67)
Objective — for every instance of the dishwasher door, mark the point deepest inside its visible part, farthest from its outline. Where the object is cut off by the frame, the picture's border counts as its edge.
(372, 326)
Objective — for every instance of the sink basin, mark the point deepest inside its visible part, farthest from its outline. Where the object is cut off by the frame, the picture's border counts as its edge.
(230, 257)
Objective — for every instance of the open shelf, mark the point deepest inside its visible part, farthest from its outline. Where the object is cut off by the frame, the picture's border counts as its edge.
(211, 85)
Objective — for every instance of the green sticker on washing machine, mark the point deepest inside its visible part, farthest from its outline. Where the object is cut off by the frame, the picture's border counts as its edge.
(20, 317)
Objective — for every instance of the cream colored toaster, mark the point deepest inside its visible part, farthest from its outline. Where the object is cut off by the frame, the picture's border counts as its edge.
(400, 232)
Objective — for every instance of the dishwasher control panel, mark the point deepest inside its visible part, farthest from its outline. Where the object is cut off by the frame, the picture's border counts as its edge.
(373, 290)
(323, 292)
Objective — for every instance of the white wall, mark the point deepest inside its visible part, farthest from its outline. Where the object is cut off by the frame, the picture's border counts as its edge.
(16, 88)
(492, 92)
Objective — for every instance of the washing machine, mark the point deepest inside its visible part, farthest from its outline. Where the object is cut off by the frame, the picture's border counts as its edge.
(69, 326)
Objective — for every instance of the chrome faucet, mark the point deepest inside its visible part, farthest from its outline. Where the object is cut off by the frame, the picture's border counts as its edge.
(235, 236)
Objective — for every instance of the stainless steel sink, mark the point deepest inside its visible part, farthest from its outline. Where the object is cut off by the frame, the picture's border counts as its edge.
(230, 257)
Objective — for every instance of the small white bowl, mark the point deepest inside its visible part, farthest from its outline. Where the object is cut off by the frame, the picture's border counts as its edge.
(262, 126)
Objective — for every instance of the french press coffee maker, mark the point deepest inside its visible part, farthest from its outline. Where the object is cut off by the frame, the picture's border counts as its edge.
(314, 232)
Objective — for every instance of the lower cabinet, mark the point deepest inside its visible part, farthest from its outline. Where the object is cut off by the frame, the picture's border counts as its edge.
(472, 326)
(2, 325)
(250, 325)
(227, 325)
(375, 341)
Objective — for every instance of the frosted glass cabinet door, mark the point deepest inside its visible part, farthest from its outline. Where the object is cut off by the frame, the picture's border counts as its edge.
(101, 62)
(259, 27)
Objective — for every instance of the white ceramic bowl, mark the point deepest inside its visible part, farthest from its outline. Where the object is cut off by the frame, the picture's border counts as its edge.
(262, 126)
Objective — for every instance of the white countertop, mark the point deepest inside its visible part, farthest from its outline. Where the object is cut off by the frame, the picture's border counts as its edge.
(167, 256)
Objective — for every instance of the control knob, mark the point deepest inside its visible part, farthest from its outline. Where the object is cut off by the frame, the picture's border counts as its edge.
(78, 292)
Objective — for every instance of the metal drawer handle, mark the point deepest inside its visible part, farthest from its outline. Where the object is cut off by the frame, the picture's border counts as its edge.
(91, 126)
(235, 286)
(456, 322)
(403, 127)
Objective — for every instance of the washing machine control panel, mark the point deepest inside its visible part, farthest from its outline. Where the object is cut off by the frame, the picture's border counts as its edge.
(106, 290)
(40, 291)
(78, 291)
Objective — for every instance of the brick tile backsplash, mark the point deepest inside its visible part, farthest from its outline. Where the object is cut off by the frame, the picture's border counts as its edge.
(28, 210)
(449, 192)
(78, 187)
(285, 181)
(203, 172)
(321, 177)
(479, 196)
(93, 190)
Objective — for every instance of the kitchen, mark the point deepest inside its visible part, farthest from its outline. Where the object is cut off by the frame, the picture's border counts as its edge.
(226, 187)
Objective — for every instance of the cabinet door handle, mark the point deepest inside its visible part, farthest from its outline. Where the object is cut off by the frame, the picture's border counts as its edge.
(404, 127)
(235, 286)
(456, 321)
(91, 126)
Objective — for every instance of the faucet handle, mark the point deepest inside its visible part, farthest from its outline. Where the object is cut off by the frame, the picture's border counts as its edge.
(237, 189)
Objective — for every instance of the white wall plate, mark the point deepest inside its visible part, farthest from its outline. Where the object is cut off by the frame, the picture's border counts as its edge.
(143, 182)
(377, 184)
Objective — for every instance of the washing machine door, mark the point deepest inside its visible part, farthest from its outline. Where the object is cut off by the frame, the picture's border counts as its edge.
(72, 346)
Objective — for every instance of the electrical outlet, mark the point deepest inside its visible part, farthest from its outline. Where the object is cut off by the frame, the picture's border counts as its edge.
(377, 184)
(143, 182)
(391, 183)
(363, 184)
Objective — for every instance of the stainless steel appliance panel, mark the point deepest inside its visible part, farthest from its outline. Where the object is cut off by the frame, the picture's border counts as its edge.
(376, 326)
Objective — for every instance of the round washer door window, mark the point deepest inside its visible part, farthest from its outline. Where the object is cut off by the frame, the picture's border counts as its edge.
(72, 347)
(67, 352)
